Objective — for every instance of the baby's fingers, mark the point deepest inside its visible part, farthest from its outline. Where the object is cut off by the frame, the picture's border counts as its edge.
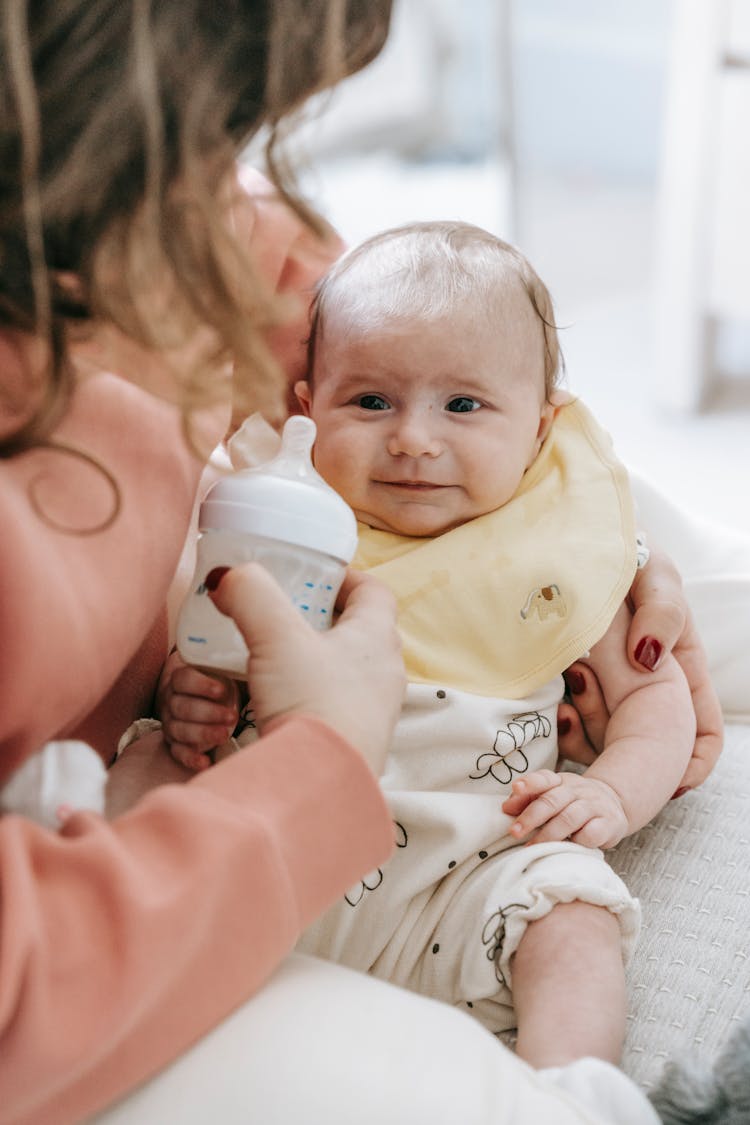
(189, 757)
(190, 682)
(527, 788)
(195, 736)
(190, 709)
(557, 814)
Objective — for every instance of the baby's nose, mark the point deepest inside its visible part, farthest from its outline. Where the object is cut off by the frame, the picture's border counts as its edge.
(414, 436)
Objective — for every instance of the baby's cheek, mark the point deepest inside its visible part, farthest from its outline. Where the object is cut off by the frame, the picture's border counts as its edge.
(340, 464)
(331, 471)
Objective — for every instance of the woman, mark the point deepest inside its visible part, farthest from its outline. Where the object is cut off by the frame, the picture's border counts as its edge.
(125, 289)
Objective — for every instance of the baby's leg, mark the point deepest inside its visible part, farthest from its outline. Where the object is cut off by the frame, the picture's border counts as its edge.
(569, 986)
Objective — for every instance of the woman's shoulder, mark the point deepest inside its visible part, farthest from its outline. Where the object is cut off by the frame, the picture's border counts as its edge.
(94, 521)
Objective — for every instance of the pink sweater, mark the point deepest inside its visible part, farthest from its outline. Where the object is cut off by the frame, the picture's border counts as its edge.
(122, 943)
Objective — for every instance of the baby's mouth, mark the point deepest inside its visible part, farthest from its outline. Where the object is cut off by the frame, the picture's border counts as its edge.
(413, 485)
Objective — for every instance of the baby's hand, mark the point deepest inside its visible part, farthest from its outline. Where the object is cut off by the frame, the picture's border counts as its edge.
(566, 806)
(198, 712)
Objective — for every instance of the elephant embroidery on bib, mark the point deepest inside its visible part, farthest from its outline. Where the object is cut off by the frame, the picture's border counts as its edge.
(543, 602)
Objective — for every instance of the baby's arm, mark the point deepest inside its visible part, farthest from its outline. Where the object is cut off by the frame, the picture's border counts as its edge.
(198, 712)
(648, 743)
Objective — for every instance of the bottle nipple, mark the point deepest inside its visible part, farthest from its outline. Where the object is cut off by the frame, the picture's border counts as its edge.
(285, 498)
(294, 459)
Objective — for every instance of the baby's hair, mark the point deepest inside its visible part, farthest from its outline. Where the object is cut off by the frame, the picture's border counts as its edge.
(119, 121)
(424, 271)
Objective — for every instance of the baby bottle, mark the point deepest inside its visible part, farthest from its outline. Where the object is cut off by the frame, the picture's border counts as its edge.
(281, 514)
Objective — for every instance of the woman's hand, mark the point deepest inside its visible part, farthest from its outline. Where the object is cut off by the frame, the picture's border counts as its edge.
(662, 622)
(351, 676)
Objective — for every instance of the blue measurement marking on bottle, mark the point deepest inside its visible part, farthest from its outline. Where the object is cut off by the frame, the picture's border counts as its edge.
(197, 640)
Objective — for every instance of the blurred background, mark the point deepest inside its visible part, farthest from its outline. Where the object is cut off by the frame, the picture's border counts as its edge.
(611, 142)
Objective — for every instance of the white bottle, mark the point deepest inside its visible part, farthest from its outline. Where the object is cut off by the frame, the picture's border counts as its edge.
(281, 514)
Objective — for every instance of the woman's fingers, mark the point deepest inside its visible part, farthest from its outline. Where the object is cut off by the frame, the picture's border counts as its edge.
(582, 723)
(572, 742)
(662, 621)
(709, 739)
(659, 612)
(350, 676)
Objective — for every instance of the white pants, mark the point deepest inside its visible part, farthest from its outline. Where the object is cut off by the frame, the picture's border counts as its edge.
(323, 1045)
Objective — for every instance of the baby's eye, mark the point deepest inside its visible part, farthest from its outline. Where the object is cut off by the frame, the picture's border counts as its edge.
(462, 404)
(372, 402)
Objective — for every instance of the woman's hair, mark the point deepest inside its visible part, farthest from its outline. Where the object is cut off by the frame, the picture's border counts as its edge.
(424, 271)
(119, 120)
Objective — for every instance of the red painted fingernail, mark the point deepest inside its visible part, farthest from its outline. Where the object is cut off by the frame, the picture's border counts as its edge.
(680, 792)
(214, 577)
(575, 681)
(563, 727)
(648, 653)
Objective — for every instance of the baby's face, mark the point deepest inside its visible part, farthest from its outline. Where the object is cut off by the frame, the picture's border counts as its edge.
(423, 426)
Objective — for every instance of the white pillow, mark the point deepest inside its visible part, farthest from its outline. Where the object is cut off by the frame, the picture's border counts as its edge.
(715, 565)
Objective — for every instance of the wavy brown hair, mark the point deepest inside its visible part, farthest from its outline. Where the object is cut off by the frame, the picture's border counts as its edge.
(119, 120)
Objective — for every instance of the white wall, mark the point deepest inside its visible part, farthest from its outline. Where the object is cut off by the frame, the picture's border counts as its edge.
(589, 84)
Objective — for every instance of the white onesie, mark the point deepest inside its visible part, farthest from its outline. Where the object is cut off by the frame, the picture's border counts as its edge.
(446, 913)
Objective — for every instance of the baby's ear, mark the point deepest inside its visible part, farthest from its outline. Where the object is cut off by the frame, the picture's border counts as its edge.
(557, 399)
(560, 397)
(546, 418)
(304, 397)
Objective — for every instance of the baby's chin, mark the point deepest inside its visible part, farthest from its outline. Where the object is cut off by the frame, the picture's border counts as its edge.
(422, 525)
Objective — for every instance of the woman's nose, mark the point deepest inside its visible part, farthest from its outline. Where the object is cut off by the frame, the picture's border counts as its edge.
(414, 435)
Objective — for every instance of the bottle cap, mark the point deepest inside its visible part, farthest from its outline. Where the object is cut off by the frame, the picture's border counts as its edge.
(284, 499)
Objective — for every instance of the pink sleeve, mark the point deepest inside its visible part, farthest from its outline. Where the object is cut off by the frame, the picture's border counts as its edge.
(123, 943)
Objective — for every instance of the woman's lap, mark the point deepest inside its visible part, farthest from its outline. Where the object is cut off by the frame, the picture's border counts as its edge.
(325, 1045)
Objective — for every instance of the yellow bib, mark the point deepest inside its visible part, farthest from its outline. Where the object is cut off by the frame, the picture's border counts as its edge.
(505, 602)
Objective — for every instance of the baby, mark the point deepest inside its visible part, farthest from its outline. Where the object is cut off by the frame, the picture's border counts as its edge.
(490, 502)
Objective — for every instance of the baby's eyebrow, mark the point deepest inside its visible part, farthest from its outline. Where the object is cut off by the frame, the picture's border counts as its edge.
(359, 381)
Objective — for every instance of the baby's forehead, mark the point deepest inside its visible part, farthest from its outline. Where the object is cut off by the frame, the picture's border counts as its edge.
(381, 289)
(471, 346)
